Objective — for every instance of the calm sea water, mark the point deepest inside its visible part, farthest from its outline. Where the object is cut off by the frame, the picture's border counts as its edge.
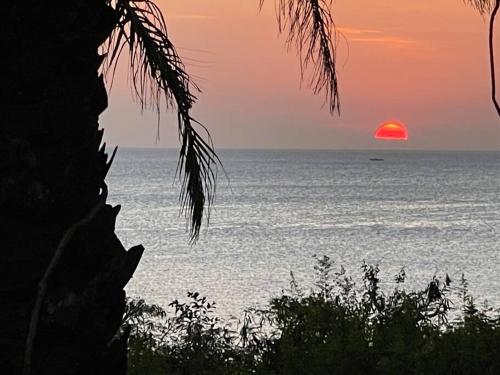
(432, 212)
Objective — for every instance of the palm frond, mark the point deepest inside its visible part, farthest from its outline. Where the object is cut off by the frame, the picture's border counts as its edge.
(311, 31)
(482, 6)
(157, 72)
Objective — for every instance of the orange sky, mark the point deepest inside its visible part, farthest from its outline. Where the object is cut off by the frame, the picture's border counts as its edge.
(423, 63)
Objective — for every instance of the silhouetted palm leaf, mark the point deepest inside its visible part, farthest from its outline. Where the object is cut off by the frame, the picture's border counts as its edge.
(311, 30)
(157, 71)
(483, 6)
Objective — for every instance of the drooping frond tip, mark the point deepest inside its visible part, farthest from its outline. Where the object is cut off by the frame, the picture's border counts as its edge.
(482, 6)
(156, 72)
(311, 31)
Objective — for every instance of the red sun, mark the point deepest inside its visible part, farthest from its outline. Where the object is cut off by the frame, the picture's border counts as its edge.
(392, 130)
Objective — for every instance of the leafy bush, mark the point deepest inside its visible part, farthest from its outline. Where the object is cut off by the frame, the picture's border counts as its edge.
(336, 328)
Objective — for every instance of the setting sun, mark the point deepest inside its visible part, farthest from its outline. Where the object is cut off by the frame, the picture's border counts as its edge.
(392, 131)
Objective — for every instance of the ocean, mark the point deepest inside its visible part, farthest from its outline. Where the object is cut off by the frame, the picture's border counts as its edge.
(430, 212)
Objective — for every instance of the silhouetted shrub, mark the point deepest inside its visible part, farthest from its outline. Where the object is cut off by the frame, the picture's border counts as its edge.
(336, 328)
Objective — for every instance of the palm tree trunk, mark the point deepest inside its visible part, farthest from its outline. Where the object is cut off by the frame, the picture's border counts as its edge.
(52, 170)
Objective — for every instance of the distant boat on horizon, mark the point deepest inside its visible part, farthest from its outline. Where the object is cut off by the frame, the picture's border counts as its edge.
(376, 159)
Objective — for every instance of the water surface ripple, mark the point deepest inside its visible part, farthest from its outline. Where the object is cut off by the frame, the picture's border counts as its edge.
(432, 212)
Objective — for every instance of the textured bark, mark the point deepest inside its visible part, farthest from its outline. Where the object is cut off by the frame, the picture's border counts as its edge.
(52, 168)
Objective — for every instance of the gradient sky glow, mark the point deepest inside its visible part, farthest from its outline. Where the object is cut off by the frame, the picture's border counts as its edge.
(422, 63)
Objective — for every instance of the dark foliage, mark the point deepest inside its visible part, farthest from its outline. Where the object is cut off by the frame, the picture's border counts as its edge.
(336, 328)
(157, 72)
(310, 31)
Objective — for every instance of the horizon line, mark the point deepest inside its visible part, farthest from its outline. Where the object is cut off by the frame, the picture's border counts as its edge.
(311, 149)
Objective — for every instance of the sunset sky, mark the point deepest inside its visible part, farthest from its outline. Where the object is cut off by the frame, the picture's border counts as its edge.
(423, 63)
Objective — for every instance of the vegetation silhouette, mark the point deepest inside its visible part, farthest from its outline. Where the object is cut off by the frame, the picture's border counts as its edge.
(335, 328)
(63, 268)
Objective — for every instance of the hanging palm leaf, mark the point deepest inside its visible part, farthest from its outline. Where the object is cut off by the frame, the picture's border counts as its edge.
(311, 31)
(158, 72)
(483, 6)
